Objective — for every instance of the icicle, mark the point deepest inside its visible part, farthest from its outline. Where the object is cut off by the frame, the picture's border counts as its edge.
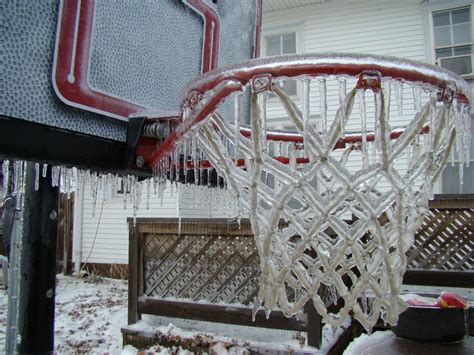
(170, 167)
(377, 145)
(453, 156)
(194, 158)
(62, 179)
(125, 191)
(429, 187)
(237, 124)
(363, 119)
(148, 187)
(267, 313)
(171, 187)
(6, 174)
(185, 159)
(137, 194)
(94, 188)
(55, 174)
(458, 124)
(431, 122)
(342, 107)
(37, 176)
(45, 169)
(387, 94)
(466, 118)
(323, 108)
(18, 185)
(255, 308)
(416, 97)
(262, 98)
(292, 156)
(399, 96)
(306, 114)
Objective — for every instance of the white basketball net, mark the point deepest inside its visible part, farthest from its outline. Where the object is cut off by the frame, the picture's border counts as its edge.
(341, 222)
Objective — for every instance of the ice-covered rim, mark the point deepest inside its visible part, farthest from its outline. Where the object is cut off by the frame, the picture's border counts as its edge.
(230, 79)
(324, 64)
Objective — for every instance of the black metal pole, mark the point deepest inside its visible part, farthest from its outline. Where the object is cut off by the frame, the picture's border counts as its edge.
(38, 265)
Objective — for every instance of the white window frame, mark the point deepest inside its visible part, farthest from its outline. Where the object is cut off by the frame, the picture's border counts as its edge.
(269, 31)
(427, 10)
(437, 6)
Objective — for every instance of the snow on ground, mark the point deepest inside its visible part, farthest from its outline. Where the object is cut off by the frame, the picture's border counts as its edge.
(366, 341)
(89, 315)
(91, 311)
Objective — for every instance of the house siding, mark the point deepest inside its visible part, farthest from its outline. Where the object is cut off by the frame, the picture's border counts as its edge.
(107, 241)
(105, 234)
(386, 28)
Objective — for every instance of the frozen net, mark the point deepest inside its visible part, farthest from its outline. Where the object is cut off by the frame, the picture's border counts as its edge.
(333, 212)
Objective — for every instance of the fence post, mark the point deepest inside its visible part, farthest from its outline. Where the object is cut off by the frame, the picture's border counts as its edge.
(315, 328)
(133, 268)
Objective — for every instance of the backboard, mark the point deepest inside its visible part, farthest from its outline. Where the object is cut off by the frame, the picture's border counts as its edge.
(76, 70)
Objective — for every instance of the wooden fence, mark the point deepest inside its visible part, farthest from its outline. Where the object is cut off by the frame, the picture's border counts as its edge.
(443, 251)
(173, 265)
(210, 260)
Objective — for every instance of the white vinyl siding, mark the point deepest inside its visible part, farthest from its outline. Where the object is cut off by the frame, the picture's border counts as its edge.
(382, 28)
(387, 28)
(206, 202)
(111, 242)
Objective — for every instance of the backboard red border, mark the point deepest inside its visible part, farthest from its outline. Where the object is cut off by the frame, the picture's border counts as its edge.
(73, 48)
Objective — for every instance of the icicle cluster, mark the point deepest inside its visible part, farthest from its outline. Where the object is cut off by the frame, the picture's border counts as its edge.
(70, 179)
(333, 212)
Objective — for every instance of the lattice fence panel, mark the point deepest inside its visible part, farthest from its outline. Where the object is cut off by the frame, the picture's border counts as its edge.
(215, 267)
(445, 241)
(208, 261)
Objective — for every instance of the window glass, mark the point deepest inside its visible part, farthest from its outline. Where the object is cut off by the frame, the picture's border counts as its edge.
(444, 52)
(289, 44)
(442, 36)
(273, 46)
(459, 65)
(462, 50)
(461, 15)
(441, 19)
(462, 33)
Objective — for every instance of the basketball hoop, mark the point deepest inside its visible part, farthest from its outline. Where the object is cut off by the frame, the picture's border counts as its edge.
(329, 207)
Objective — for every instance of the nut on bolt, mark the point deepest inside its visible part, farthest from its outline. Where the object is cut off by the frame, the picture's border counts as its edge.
(140, 161)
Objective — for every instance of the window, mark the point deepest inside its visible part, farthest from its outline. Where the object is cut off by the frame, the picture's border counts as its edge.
(280, 42)
(453, 42)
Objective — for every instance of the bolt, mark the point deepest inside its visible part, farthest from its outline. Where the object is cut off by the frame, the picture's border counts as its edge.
(140, 161)
(53, 215)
